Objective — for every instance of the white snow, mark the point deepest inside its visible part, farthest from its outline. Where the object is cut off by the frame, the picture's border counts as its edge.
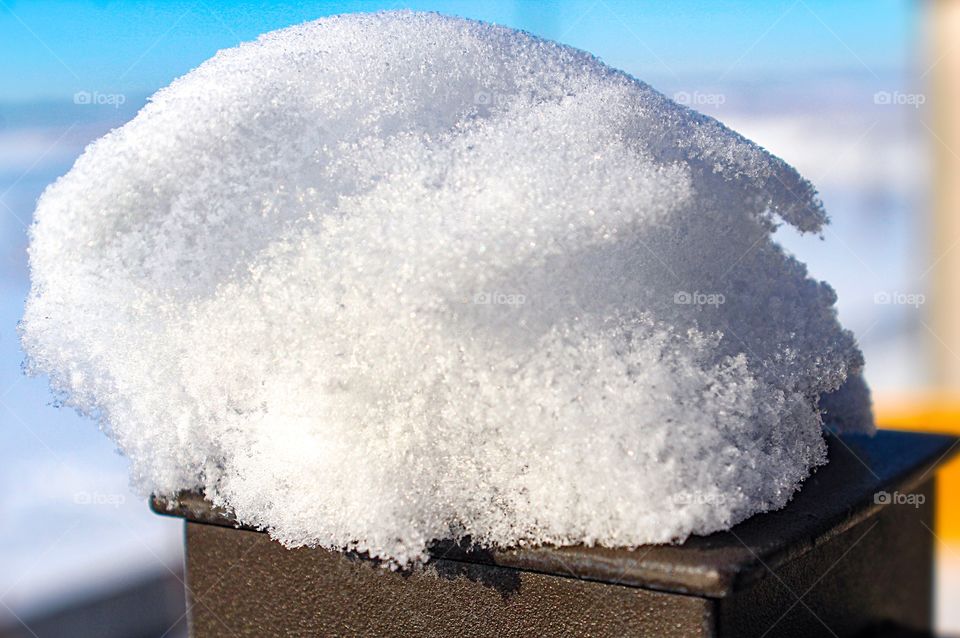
(380, 279)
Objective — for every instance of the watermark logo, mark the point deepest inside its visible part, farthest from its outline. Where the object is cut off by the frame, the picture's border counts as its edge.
(99, 498)
(898, 498)
(488, 99)
(896, 98)
(698, 498)
(95, 98)
(894, 298)
(699, 99)
(697, 298)
(499, 299)
(483, 98)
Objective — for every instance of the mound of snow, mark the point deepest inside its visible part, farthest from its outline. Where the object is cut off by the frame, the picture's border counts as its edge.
(375, 280)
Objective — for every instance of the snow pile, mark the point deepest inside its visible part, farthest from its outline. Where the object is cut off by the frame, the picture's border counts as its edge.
(380, 279)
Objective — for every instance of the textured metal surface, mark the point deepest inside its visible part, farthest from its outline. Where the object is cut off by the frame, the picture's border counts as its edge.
(873, 579)
(878, 572)
(835, 499)
(834, 562)
(244, 584)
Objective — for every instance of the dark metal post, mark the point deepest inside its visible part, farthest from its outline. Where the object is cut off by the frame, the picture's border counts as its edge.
(851, 555)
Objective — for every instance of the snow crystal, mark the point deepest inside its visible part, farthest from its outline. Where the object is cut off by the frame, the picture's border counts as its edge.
(381, 279)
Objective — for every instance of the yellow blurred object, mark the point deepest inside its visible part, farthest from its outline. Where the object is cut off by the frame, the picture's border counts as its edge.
(941, 415)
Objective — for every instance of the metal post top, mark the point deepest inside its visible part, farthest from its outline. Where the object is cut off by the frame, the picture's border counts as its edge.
(863, 476)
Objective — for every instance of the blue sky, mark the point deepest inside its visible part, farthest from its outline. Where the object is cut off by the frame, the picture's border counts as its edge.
(53, 48)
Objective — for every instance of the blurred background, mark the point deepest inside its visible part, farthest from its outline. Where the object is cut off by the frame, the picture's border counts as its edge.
(862, 97)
